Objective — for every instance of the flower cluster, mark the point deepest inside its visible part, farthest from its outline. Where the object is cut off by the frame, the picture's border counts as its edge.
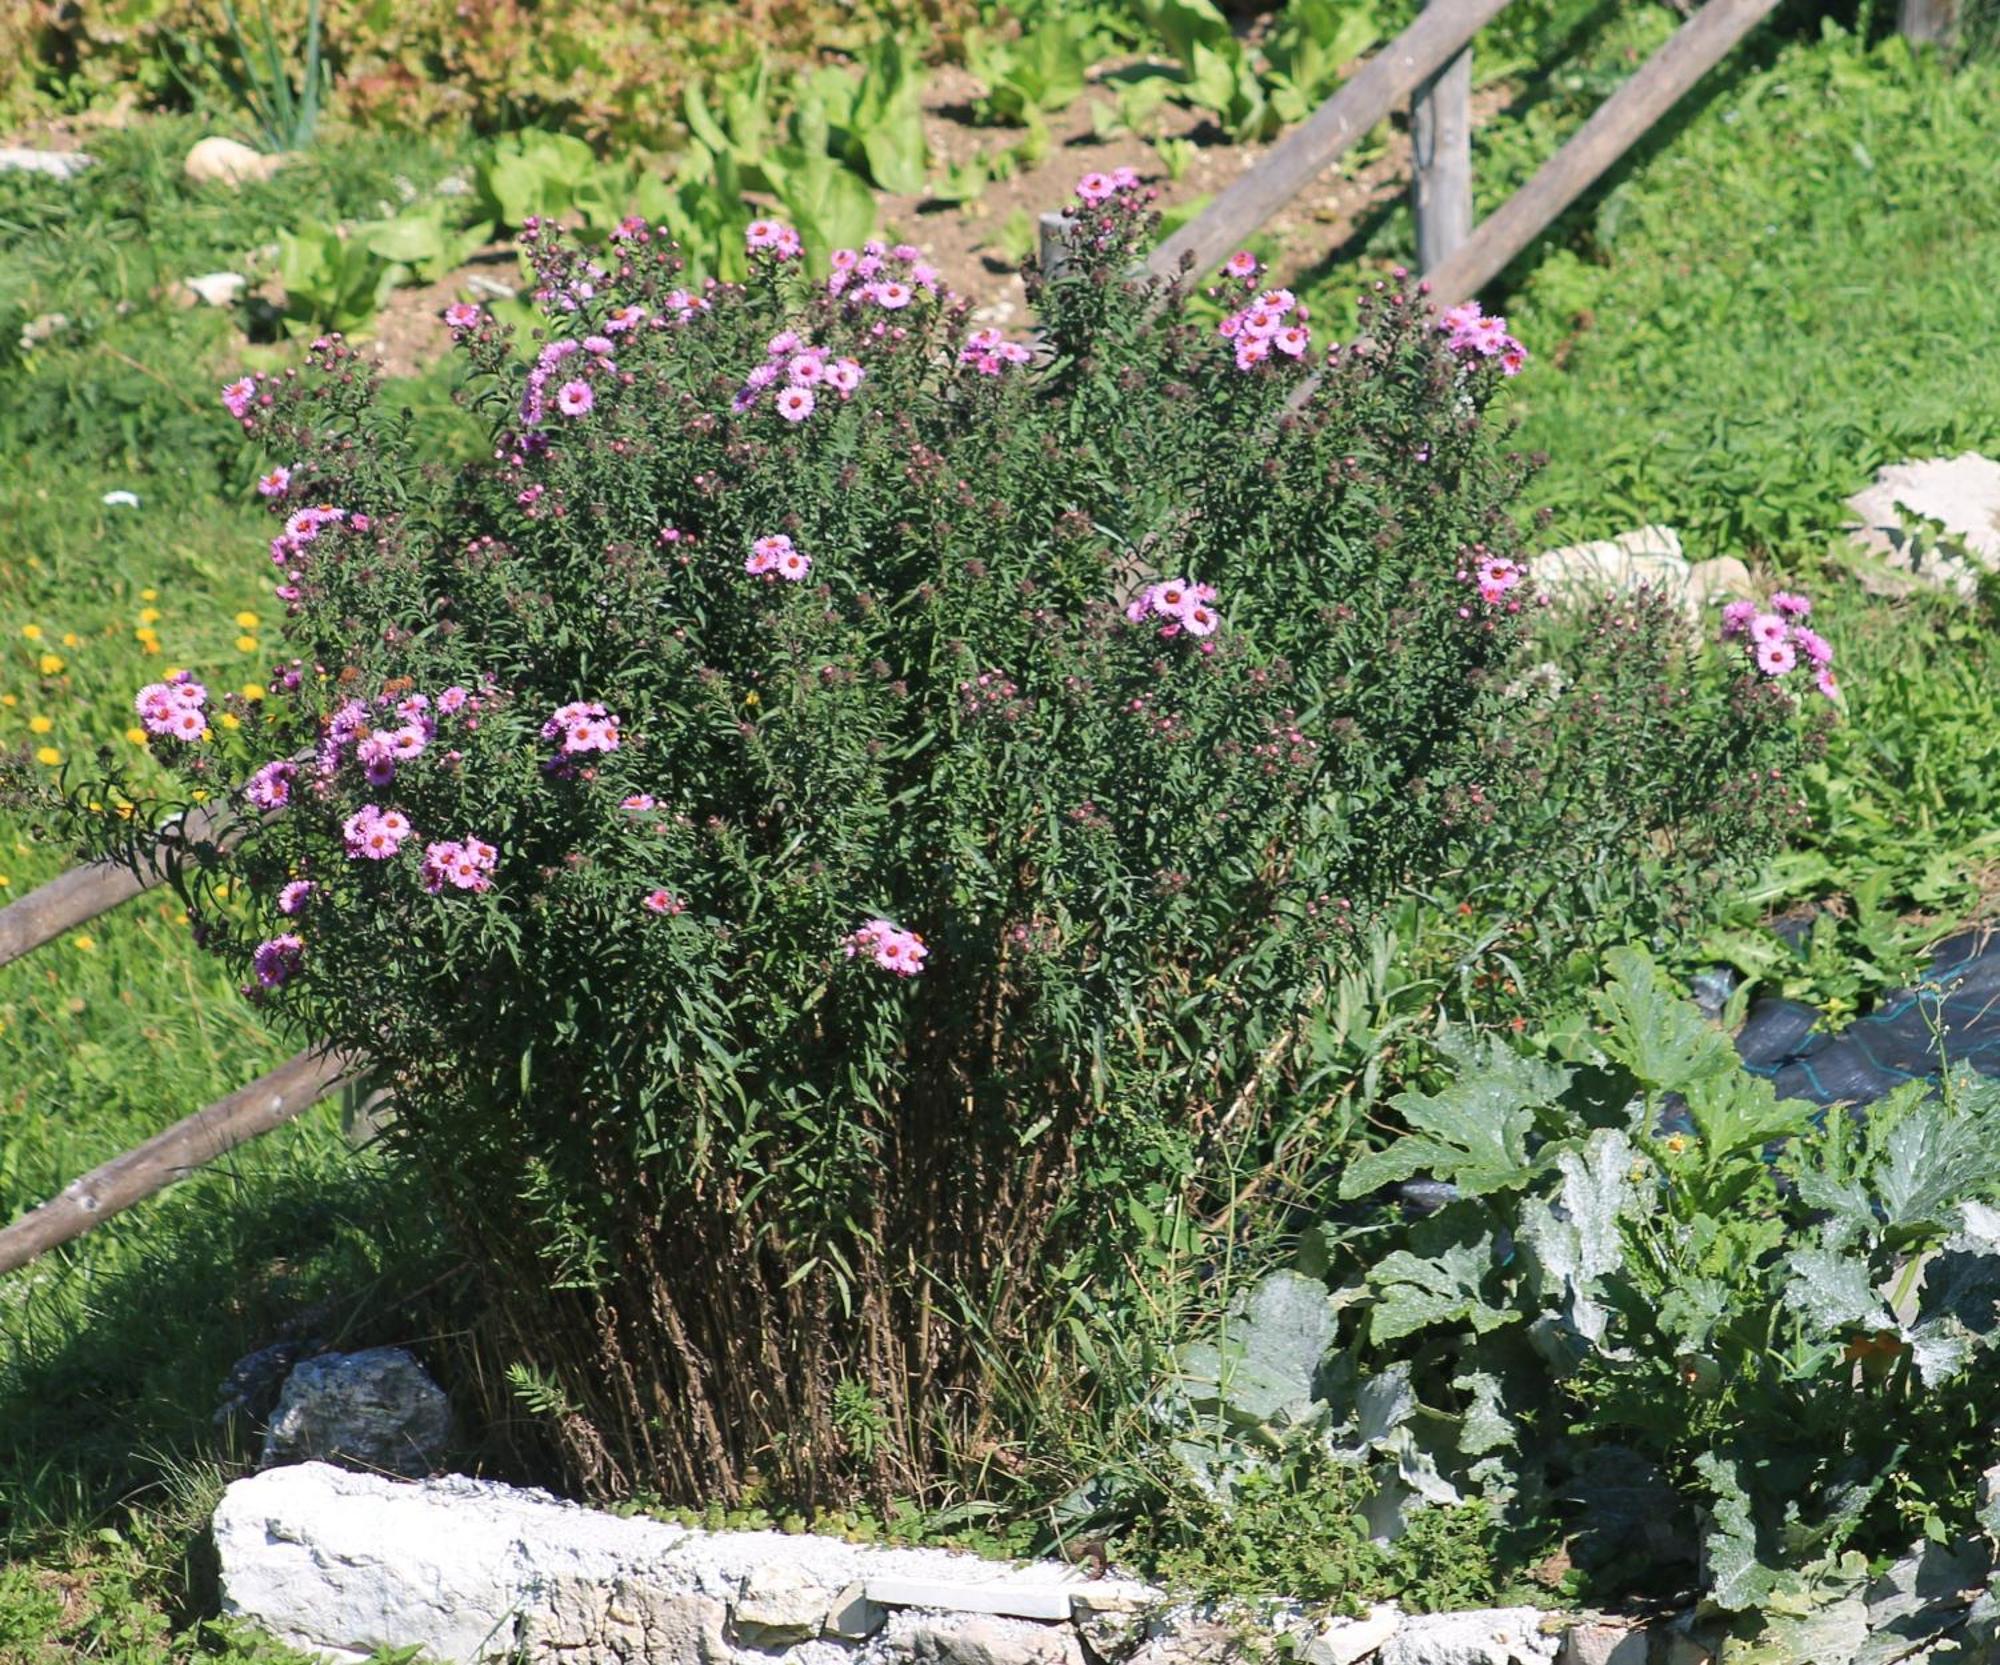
(889, 946)
(989, 352)
(772, 237)
(1180, 603)
(175, 709)
(579, 727)
(663, 902)
(1270, 322)
(575, 396)
(774, 557)
(991, 695)
(798, 370)
(1472, 334)
(464, 864)
(271, 786)
(882, 276)
(374, 834)
(1778, 639)
(276, 961)
(1095, 188)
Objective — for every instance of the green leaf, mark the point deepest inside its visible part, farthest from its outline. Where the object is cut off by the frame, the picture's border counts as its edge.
(1474, 1132)
(1665, 1042)
(1833, 1293)
(1739, 1111)
(1443, 1283)
(1738, 1578)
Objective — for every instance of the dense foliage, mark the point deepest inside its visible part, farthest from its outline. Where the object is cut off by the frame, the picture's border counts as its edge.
(833, 803)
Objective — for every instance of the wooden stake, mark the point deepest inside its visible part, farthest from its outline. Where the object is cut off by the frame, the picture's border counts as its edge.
(268, 1102)
(1928, 22)
(1696, 48)
(1364, 99)
(1441, 161)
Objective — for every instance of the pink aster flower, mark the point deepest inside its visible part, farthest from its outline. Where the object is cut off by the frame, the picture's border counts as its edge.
(795, 404)
(639, 802)
(624, 318)
(575, 399)
(1736, 617)
(271, 786)
(293, 898)
(766, 552)
(1095, 188)
(1495, 576)
(451, 700)
(1776, 658)
(377, 758)
(276, 483)
(461, 315)
(763, 234)
(1252, 351)
(187, 724)
(784, 344)
(793, 566)
(1791, 606)
(1200, 620)
(1125, 178)
(372, 834)
(238, 396)
(844, 375)
(277, 961)
(807, 368)
(890, 295)
(1242, 264)
(663, 902)
(598, 346)
(1293, 342)
(891, 948)
(1824, 682)
(1767, 630)
(1817, 649)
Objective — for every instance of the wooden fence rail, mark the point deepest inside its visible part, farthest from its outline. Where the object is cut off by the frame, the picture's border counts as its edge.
(1429, 64)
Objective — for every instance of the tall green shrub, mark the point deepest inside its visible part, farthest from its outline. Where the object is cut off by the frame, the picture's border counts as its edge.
(836, 803)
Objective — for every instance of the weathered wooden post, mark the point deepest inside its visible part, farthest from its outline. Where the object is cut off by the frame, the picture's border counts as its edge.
(1441, 159)
(1927, 22)
(1052, 246)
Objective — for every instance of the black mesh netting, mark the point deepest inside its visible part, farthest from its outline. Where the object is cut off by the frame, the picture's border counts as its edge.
(1952, 1015)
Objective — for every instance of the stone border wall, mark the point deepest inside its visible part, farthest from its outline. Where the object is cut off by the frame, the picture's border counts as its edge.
(341, 1563)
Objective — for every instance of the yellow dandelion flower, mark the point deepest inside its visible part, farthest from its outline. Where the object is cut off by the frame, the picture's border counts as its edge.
(149, 595)
(9, 700)
(39, 725)
(246, 620)
(95, 807)
(4, 881)
(200, 794)
(31, 632)
(47, 756)
(84, 944)
(136, 735)
(231, 720)
(246, 644)
(222, 890)
(253, 691)
(71, 639)
(51, 664)
(149, 615)
(170, 673)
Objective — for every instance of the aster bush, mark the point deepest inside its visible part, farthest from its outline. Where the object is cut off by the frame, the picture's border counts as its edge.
(839, 802)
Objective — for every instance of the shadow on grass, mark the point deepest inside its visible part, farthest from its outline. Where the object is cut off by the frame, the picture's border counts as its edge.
(112, 1350)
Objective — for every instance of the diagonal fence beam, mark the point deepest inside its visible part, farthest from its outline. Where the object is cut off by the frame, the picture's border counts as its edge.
(1617, 124)
(96, 887)
(248, 1113)
(1368, 96)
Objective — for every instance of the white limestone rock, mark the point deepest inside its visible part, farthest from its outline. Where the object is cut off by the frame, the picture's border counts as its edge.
(1594, 1643)
(1932, 522)
(214, 288)
(1349, 1641)
(1492, 1636)
(1652, 556)
(471, 1570)
(219, 161)
(55, 164)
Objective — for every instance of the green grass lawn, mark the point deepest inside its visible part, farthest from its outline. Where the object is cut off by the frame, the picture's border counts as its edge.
(1796, 289)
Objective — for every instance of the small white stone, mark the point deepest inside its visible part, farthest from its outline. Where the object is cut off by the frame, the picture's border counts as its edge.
(1958, 496)
(1591, 1643)
(121, 499)
(216, 288)
(56, 164)
(1349, 1641)
(490, 289)
(852, 1616)
(219, 161)
(780, 1605)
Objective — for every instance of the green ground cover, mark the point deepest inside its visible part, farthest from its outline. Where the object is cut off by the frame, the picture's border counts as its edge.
(1729, 340)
